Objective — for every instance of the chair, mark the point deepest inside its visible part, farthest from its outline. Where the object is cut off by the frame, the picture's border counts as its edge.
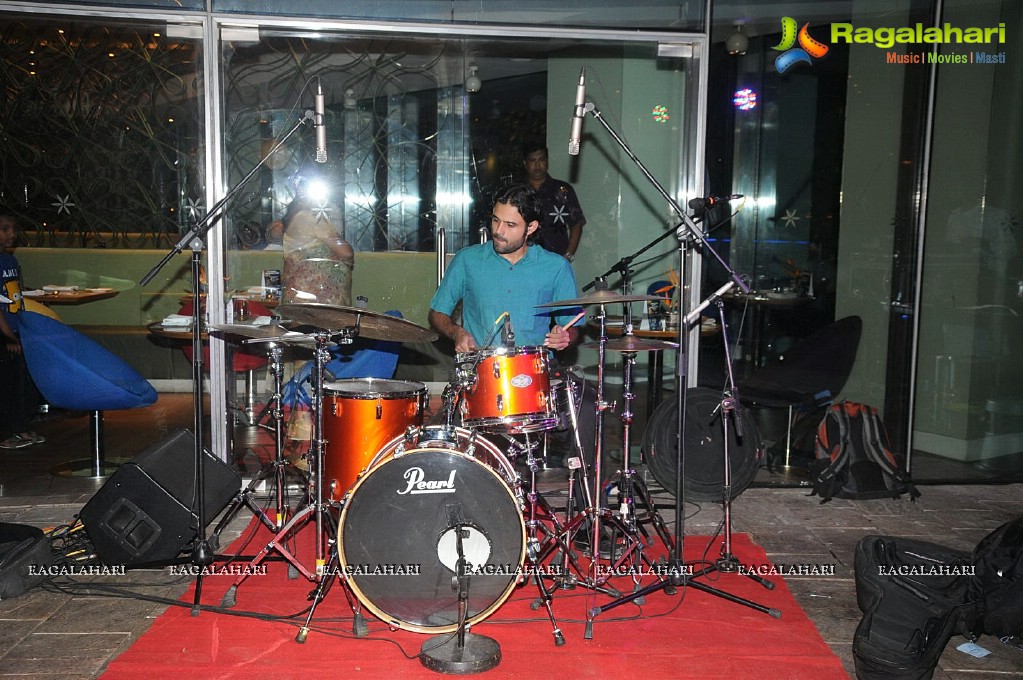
(74, 372)
(808, 375)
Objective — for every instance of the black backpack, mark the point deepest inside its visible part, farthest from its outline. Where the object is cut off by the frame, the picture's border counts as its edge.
(25, 558)
(854, 457)
(997, 584)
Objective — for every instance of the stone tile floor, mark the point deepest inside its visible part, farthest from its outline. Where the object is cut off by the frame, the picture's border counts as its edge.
(46, 634)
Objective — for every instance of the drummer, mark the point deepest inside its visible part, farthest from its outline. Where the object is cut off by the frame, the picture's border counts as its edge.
(500, 283)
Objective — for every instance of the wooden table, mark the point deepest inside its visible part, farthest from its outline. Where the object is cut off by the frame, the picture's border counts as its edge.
(70, 297)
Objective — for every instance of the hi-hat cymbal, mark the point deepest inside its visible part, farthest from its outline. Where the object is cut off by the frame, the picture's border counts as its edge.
(264, 334)
(600, 297)
(374, 325)
(630, 343)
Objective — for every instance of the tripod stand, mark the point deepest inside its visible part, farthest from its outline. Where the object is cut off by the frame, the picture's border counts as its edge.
(202, 553)
(686, 232)
(277, 470)
(316, 511)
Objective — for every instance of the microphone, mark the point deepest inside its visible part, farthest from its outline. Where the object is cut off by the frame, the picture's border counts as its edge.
(711, 201)
(318, 126)
(508, 333)
(578, 113)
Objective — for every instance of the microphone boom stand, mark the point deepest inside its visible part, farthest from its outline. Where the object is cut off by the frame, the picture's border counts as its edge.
(678, 574)
(195, 241)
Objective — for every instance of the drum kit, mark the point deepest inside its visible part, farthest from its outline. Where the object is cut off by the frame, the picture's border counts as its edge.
(406, 510)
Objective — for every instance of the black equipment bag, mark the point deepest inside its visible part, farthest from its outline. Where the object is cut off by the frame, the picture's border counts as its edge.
(25, 557)
(913, 598)
(997, 584)
(854, 457)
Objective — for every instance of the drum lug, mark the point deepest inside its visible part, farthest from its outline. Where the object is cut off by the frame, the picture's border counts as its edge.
(497, 370)
(380, 409)
(500, 403)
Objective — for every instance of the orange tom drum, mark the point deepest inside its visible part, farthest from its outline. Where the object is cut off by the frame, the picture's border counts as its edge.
(509, 390)
(359, 416)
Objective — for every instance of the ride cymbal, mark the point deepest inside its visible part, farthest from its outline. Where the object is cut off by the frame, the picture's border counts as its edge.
(374, 325)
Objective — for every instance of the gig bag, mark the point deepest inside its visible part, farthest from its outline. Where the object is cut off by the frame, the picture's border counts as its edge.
(913, 598)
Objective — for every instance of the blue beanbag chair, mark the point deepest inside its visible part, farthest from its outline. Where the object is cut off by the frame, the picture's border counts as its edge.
(74, 372)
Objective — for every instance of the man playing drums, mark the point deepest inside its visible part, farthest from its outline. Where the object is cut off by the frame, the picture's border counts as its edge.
(506, 276)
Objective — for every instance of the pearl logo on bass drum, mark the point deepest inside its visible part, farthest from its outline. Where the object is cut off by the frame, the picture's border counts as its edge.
(416, 484)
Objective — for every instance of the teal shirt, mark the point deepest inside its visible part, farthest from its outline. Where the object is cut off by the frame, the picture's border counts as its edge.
(488, 285)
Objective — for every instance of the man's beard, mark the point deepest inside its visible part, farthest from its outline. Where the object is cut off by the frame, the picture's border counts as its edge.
(503, 248)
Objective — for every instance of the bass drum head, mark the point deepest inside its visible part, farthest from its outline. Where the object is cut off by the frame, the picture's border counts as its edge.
(703, 477)
(398, 548)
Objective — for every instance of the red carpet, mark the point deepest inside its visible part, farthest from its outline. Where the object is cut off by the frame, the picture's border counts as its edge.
(691, 634)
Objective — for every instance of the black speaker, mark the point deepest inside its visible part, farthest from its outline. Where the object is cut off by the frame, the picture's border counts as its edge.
(147, 510)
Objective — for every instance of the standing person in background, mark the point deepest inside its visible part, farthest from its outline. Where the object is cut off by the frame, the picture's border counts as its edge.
(318, 261)
(562, 218)
(19, 397)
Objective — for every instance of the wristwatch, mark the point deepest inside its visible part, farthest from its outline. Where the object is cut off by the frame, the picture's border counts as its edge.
(569, 256)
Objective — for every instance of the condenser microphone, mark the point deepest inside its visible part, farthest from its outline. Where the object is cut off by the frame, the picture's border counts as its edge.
(318, 124)
(578, 113)
(711, 201)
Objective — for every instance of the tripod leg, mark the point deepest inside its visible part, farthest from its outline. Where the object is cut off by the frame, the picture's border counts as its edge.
(277, 544)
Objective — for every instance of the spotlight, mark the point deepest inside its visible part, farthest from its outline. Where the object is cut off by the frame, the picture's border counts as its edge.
(737, 44)
(473, 82)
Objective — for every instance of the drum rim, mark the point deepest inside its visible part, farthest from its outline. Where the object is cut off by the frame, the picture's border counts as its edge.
(487, 352)
(414, 388)
(405, 625)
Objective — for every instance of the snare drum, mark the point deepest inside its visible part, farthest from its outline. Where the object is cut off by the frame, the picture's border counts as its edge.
(397, 540)
(509, 390)
(359, 416)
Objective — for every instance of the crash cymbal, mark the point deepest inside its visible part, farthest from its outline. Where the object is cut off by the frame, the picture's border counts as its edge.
(374, 325)
(599, 297)
(630, 343)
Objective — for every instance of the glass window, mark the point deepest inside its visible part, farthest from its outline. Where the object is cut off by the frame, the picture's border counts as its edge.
(654, 15)
(103, 129)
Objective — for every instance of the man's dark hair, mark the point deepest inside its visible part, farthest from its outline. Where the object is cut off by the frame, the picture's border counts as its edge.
(523, 198)
(534, 145)
(5, 211)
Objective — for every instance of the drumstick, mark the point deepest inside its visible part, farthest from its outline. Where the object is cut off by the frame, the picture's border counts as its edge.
(572, 322)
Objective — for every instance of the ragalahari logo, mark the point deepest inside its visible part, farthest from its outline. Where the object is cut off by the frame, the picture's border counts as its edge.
(808, 49)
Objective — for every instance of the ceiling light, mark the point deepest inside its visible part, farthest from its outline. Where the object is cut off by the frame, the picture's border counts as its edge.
(473, 82)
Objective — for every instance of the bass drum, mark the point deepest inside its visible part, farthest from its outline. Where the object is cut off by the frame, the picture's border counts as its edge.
(398, 533)
(703, 477)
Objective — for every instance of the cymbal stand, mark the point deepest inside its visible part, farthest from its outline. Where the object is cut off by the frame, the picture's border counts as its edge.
(317, 511)
(536, 504)
(631, 486)
(276, 469)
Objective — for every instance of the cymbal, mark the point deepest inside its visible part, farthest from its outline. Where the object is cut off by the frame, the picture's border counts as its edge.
(630, 343)
(374, 325)
(600, 297)
(267, 333)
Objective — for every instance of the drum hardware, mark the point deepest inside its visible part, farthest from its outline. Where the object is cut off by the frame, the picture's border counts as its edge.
(633, 493)
(687, 233)
(316, 510)
(277, 469)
